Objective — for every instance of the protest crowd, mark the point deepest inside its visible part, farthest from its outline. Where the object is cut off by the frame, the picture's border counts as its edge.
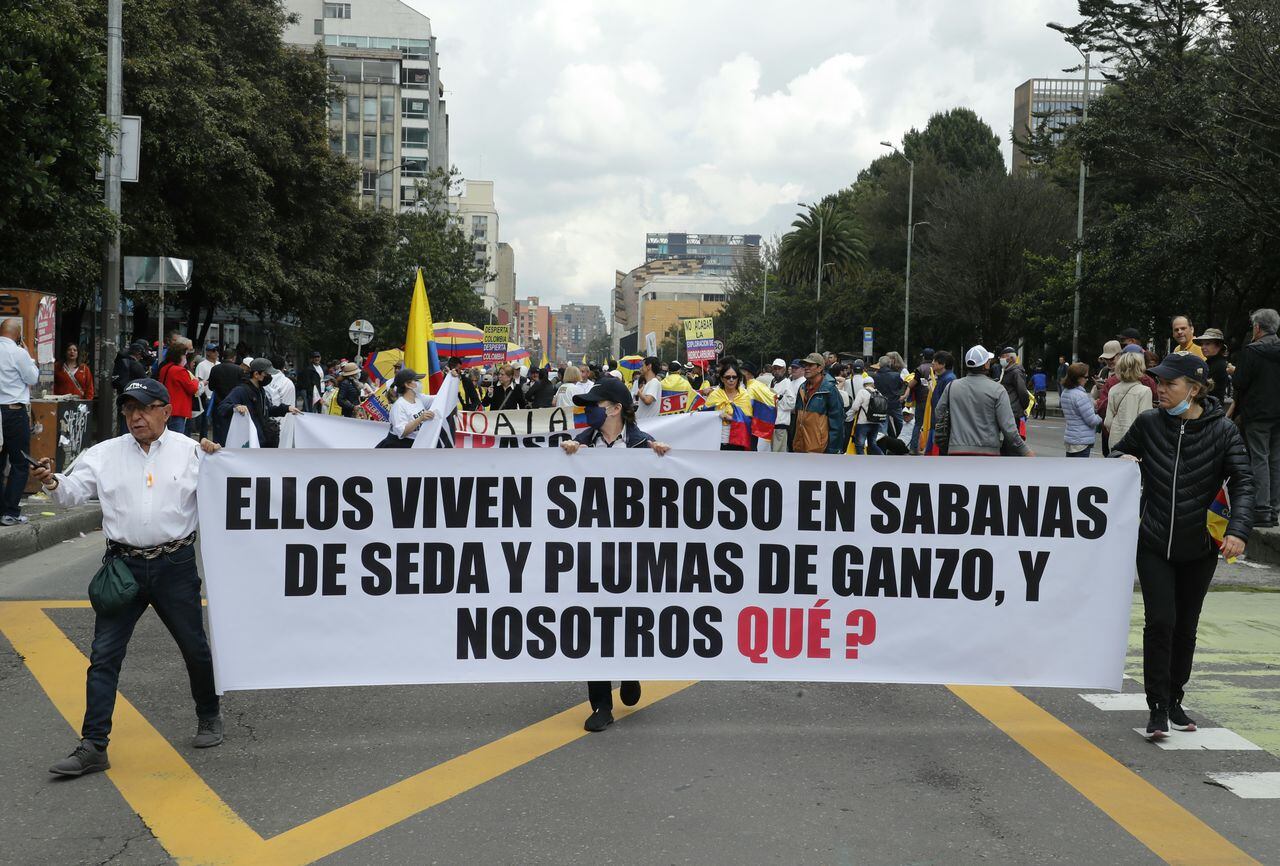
(1203, 423)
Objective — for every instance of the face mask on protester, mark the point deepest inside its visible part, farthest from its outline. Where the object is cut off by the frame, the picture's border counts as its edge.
(1004, 362)
(595, 415)
(1182, 407)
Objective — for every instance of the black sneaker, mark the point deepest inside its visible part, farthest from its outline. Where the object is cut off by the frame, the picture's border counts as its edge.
(1179, 719)
(87, 758)
(630, 693)
(1158, 724)
(208, 733)
(598, 721)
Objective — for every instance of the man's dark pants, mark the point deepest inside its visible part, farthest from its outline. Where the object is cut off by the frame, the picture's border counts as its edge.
(1263, 441)
(17, 438)
(171, 585)
(600, 694)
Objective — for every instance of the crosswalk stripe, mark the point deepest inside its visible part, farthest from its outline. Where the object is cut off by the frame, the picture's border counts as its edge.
(1205, 739)
(1249, 786)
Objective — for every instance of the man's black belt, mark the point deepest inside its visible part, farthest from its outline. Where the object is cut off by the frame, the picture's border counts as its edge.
(119, 549)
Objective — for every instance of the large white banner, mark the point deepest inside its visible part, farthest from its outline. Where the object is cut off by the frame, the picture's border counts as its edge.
(325, 569)
(694, 431)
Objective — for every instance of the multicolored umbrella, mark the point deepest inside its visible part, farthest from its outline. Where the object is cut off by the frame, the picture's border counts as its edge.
(460, 340)
(517, 354)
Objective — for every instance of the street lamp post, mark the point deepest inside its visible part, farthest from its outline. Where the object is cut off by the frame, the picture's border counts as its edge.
(377, 187)
(1075, 316)
(817, 306)
(911, 230)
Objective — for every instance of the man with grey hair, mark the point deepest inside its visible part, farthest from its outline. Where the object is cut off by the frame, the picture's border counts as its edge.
(1256, 384)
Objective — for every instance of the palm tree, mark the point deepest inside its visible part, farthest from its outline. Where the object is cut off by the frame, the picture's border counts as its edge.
(843, 247)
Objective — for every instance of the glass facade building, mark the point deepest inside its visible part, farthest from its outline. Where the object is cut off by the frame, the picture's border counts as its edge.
(718, 254)
(1049, 103)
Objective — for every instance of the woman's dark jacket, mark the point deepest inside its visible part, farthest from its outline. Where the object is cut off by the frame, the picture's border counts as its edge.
(1184, 464)
(512, 395)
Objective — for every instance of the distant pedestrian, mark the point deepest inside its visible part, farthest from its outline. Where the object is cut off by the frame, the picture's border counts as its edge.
(1214, 345)
(1077, 409)
(249, 398)
(1129, 397)
(181, 385)
(18, 372)
(73, 375)
(349, 396)
(1040, 389)
(919, 398)
(943, 376)
(1184, 337)
(784, 394)
(1257, 389)
(817, 424)
(973, 417)
(311, 381)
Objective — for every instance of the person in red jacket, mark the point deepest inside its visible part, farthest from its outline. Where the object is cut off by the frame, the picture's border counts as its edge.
(73, 376)
(182, 385)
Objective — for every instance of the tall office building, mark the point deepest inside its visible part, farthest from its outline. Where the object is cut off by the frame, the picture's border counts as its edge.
(624, 303)
(506, 269)
(719, 254)
(391, 119)
(1055, 103)
(534, 328)
(477, 216)
(576, 325)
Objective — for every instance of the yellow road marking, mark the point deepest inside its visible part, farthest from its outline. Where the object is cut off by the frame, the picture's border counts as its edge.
(1170, 831)
(195, 825)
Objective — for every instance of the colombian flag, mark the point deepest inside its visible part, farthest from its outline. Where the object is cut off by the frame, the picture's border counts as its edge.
(699, 403)
(420, 351)
(1218, 516)
(677, 394)
(629, 366)
(764, 412)
(740, 428)
(580, 418)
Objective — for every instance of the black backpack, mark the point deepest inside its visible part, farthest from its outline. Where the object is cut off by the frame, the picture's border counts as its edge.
(877, 408)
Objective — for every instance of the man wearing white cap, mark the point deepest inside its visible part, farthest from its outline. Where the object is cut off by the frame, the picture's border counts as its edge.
(784, 391)
(974, 416)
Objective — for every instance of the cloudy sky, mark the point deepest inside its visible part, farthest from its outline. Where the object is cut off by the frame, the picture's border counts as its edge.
(601, 121)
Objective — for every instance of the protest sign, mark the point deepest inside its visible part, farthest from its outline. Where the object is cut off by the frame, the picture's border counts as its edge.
(699, 340)
(540, 428)
(324, 571)
(495, 343)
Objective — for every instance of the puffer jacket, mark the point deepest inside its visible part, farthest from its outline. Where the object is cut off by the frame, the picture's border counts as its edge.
(1184, 464)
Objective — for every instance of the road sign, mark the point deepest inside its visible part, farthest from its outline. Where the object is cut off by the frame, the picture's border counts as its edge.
(868, 342)
(719, 344)
(360, 332)
(130, 147)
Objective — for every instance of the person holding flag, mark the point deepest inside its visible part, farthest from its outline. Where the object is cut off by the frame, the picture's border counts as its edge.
(733, 402)
(420, 349)
(677, 393)
(764, 413)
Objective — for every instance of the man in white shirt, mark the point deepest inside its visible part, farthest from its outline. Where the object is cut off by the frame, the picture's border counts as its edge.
(649, 398)
(280, 389)
(203, 369)
(18, 372)
(146, 481)
(784, 390)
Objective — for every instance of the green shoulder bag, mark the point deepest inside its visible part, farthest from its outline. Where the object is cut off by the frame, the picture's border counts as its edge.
(113, 588)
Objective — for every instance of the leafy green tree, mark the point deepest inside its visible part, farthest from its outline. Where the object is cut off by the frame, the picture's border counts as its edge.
(957, 140)
(51, 87)
(842, 246)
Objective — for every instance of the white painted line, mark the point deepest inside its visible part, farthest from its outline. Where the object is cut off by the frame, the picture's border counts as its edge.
(1206, 739)
(1250, 786)
(1109, 701)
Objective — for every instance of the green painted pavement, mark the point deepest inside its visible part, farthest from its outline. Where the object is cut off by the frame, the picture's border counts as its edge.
(1236, 679)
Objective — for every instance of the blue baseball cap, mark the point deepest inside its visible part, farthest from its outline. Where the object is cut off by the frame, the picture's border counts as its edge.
(145, 391)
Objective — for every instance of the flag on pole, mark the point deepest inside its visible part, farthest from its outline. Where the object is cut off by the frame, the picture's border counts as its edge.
(543, 364)
(420, 351)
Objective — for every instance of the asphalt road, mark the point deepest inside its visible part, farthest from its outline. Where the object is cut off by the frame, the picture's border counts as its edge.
(713, 773)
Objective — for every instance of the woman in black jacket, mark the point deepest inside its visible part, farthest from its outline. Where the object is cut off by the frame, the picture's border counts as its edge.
(1187, 449)
(506, 394)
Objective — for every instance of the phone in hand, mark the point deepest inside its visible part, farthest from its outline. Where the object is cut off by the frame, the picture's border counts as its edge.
(33, 463)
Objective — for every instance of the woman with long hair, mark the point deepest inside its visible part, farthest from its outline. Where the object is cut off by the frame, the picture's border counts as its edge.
(1186, 449)
(73, 376)
(726, 398)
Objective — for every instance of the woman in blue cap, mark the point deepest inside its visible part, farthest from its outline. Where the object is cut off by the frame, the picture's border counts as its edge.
(1187, 449)
(612, 419)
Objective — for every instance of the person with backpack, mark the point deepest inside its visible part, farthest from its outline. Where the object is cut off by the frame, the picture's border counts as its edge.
(870, 410)
(974, 416)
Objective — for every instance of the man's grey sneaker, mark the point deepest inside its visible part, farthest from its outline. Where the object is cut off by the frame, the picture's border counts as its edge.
(1179, 719)
(208, 733)
(10, 520)
(87, 758)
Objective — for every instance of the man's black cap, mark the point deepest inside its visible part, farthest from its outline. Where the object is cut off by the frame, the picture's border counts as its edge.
(145, 391)
(1129, 334)
(749, 367)
(1008, 350)
(315, 354)
(138, 346)
(608, 388)
(405, 375)
(1182, 364)
(927, 354)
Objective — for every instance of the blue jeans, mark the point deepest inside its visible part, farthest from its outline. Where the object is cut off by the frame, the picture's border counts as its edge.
(864, 436)
(178, 425)
(171, 585)
(16, 424)
(1085, 453)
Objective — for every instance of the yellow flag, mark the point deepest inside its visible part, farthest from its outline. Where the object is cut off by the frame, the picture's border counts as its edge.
(420, 334)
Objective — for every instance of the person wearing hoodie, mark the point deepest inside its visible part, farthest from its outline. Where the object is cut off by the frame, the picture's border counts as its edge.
(1186, 450)
(1256, 384)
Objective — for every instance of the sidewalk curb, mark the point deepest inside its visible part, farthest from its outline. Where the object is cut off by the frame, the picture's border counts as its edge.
(44, 532)
(1264, 546)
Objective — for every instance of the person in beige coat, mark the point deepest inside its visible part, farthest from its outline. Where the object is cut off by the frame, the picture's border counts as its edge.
(1128, 398)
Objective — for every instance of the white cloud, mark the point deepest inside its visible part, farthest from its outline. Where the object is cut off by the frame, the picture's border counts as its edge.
(601, 121)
